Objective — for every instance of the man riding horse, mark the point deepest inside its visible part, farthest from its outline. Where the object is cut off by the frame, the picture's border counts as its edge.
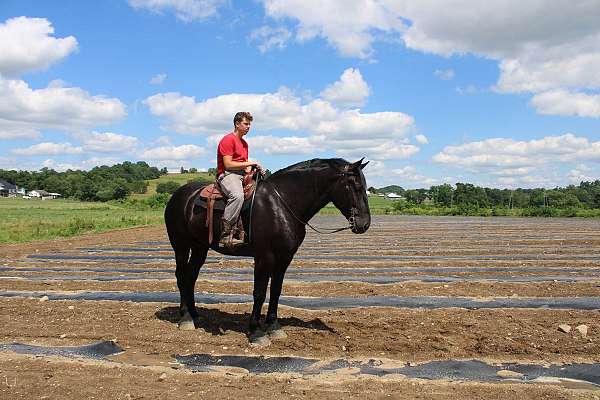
(232, 165)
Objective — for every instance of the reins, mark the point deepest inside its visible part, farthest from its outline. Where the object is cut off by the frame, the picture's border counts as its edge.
(306, 223)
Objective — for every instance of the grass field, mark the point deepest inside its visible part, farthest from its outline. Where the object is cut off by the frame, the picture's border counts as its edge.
(182, 179)
(27, 220)
(378, 205)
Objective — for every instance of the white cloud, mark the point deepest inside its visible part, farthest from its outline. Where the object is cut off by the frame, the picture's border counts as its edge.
(409, 175)
(27, 110)
(559, 51)
(16, 130)
(562, 102)
(186, 151)
(349, 26)
(27, 44)
(107, 142)
(270, 38)
(422, 139)
(350, 91)
(321, 125)
(279, 110)
(327, 127)
(577, 175)
(185, 10)
(444, 74)
(520, 171)
(274, 145)
(48, 148)
(60, 167)
(538, 47)
(499, 153)
(158, 79)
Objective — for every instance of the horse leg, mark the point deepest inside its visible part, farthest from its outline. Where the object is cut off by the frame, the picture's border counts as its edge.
(262, 268)
(187, 274)
(272, 326)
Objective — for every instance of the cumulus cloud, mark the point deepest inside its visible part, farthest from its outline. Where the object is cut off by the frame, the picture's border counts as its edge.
(578, 175)
(422, 139)
(409, 174)
(280, 110)
(270, 38)
(185, 10)
(534, 55)
(158, 79)
(17, 130)
(350, 91)
(27, 110)
(27, 44)
(444, 74)
(186, 151)
(350, 27)
(107, 142)
(48, 148)
(60, 166)
(321, 124)
(500, 152)
(562, 102)
(274, 145)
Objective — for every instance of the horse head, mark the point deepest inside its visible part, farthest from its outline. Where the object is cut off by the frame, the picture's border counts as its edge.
(349, 195)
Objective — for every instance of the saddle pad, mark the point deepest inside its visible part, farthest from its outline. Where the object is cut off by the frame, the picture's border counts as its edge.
(219, 204)
(201, 202)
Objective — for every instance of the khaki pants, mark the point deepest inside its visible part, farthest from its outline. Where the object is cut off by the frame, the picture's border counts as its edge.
(232, 187)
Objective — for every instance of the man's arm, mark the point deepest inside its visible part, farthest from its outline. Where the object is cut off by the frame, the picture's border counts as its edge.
(230, 164)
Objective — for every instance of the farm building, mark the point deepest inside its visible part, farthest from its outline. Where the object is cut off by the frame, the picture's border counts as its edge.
(7, 189)
(43, 194)
(394, 196)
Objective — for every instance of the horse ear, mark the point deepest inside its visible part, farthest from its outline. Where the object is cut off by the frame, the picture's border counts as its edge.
(362, 166)
(357, 164)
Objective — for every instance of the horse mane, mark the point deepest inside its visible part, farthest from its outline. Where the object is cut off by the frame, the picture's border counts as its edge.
(316, 164)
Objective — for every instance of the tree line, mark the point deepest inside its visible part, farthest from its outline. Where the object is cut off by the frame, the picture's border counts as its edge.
(467, 196)
(99, 184)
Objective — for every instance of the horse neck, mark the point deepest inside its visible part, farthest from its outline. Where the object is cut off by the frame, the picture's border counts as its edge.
(305, 192)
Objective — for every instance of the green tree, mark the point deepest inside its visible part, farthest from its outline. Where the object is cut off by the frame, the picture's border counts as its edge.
(167, 187)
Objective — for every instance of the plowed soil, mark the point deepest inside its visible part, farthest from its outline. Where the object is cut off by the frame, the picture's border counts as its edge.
(478, 256)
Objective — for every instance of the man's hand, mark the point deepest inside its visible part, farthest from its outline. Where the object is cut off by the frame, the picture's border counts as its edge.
(256, 164)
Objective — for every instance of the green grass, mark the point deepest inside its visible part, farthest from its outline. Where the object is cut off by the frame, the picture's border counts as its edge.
(377, 205)
(181, 179)
(28, 220)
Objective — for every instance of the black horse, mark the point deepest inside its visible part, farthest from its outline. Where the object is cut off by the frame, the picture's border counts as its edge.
(283, 203)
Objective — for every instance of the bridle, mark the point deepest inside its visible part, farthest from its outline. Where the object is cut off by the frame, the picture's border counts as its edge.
(324, 231)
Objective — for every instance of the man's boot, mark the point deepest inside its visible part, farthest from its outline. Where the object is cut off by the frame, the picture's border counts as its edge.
(226, 237)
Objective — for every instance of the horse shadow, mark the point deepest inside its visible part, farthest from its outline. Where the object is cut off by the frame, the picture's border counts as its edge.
(218, 322)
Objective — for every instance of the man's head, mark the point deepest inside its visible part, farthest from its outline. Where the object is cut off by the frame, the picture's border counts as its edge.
(242, 122)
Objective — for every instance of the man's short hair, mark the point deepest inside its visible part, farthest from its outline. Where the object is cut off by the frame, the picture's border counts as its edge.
(240, 116)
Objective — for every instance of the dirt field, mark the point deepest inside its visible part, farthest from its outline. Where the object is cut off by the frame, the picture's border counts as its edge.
(517, 281)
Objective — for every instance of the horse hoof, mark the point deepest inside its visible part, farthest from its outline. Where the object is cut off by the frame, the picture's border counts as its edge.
(259, 339)
(187, 323)
(277, 334)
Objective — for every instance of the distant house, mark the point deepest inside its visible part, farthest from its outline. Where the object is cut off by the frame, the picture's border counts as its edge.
(40, 194)
(7, 189)
(394, 196)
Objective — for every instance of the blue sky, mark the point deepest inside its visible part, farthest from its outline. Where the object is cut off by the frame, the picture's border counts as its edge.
(501, 94)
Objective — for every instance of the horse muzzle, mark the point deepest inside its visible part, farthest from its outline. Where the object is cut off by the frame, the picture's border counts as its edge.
(358, 223)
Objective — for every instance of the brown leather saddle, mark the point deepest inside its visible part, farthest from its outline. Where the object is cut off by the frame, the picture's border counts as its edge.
(211, 197)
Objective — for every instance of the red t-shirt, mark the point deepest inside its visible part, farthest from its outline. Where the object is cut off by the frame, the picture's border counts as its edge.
(232, 146)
